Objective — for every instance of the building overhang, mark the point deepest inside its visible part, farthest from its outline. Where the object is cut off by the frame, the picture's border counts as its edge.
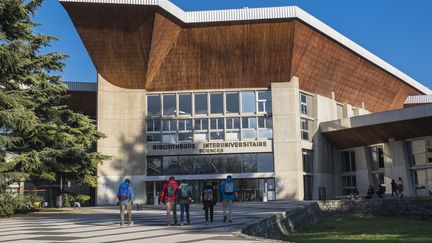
(248, 15)
(379, 127)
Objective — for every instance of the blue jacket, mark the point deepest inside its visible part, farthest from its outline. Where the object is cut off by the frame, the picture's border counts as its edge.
(222, 190)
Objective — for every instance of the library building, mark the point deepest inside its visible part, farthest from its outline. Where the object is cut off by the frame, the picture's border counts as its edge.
(288, 106)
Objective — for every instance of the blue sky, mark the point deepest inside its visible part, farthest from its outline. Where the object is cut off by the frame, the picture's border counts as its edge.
(398, 31)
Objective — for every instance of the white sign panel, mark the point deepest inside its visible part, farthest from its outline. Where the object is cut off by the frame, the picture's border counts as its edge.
(210, 148)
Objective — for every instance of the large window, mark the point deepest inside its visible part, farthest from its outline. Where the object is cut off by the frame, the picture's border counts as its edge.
(377, 158)
(249, 126)
(305, 128)
(307, 160)
(169, 105)
(216, 128)
(233, 128)
(248, 101)
(232, 103)
(264, 101)
(210, 164)
(233, 163)
(349, 184)
(348, 161)
(154, 130)
(201, 104)
(185, 130)
(265, 127)
(205, 116)
(421, 152)
(185, 104)
(216, 103)
(169, 131)
(201, 129)
(154, 166)
(339, 109)
(153, 105)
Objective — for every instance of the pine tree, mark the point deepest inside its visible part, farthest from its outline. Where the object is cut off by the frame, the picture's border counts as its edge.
(40, 139)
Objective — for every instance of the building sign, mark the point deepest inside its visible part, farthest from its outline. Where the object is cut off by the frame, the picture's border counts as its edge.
(210, 148)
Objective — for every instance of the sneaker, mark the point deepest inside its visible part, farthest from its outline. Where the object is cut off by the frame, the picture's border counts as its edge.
(206, 222)
(168, 224)
(181, 224)
(131, 223)
(224, 220)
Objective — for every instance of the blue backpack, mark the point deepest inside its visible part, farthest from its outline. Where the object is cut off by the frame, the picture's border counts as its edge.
(123, 192)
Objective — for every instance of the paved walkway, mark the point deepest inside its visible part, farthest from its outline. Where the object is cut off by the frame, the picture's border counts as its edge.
(102, 225)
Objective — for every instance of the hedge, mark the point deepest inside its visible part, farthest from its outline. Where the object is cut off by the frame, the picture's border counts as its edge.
(16, 204)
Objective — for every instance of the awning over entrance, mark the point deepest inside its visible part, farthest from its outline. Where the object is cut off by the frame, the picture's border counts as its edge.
(379, 127)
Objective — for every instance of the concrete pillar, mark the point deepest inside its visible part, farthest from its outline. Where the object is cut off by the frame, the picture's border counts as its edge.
(287, 140)
(121, 116)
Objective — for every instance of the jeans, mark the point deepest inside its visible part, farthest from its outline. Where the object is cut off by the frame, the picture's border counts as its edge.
(183, 207)
(208, 206)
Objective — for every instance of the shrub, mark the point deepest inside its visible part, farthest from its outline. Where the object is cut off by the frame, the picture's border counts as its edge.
(14, 204)
(69, 198)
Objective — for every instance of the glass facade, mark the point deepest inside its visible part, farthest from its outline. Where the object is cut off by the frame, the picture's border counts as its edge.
(210, 164)
(218, 116)
(251, 189)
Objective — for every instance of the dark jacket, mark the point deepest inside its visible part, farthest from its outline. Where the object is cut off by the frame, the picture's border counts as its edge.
(394, 186)
(211, 187)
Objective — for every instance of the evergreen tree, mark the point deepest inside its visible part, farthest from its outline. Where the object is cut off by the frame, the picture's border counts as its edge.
(40, 139)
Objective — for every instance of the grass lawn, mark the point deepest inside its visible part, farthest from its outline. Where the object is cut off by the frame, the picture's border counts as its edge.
(366, 229)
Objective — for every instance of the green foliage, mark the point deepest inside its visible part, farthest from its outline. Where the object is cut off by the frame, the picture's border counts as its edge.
(40, 139)
(70, 198)
(15, 204)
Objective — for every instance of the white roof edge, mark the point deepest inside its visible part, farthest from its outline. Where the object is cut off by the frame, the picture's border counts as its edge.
(268, 13)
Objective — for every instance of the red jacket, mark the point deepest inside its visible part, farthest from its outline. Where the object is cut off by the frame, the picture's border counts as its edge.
(164, 191)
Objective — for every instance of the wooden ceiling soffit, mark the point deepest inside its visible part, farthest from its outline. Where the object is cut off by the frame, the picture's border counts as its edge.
(323, 66)
(165, 33)
(117, 38)
(379, 133)
(241, 55)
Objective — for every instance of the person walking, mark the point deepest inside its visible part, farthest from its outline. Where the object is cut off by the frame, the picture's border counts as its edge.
(125, 196)
(228, 191)
(394, 188)
(184, 198)
(400, 188)
(209, 198)
(168, 195)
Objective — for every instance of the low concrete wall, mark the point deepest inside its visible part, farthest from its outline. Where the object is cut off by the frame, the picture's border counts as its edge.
(275, 226)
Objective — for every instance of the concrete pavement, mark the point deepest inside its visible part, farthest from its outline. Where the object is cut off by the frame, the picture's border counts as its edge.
(102, 225)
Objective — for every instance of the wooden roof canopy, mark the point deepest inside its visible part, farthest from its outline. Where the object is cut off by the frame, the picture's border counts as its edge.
(379, 127)
(146, 46)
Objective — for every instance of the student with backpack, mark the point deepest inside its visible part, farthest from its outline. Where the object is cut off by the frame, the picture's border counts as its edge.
(209, 198)
(125, 196)
(184, 198)
(228, 193)
(168, 195)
